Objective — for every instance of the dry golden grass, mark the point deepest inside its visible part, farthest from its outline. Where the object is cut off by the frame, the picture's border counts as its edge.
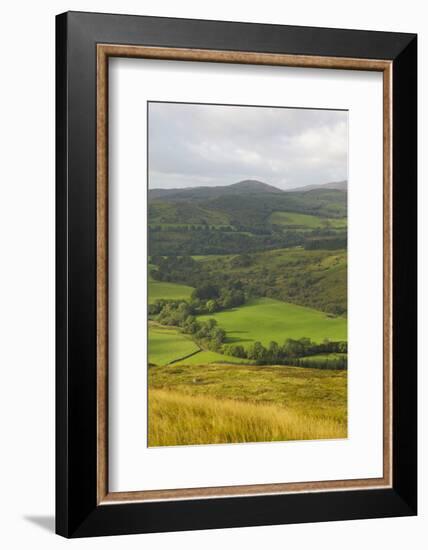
(179, 419)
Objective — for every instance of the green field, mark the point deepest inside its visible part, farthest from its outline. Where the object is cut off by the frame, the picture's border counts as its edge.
(296, 220)
(186, 213)
(223, 404)
(265, 319)
(210, 257)
(168, 291)
(168, 344)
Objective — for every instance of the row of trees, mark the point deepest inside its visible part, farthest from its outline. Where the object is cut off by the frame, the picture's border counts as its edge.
(175, 313)
(203, 239)
(205, 299)
(191, 227)
(211, 298)
(170, 241)
(336, 363)
(291, 352)
(326, 244)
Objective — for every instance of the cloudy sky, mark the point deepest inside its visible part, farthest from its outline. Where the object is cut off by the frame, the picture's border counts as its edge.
(205, 145)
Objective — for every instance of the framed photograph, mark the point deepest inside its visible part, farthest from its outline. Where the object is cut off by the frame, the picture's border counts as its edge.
(236, 274)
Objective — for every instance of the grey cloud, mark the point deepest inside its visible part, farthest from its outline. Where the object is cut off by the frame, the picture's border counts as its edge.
(192, 145)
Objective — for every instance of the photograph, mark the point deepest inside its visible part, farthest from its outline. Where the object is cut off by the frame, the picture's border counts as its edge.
(212, 275)
(247, 273)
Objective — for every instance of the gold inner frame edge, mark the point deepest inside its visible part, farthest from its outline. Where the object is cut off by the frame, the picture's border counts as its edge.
(104, 52)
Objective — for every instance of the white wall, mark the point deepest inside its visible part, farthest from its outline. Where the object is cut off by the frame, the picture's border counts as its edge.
(27, 271)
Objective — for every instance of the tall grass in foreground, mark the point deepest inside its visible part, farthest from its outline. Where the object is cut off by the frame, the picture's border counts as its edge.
(180, 419)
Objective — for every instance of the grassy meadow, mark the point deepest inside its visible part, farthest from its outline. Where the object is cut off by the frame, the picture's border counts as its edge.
(192, 405)
(265, 319)
(158, 290)
(305, 221)
(205, 420)
(167, 344)
(168, 291)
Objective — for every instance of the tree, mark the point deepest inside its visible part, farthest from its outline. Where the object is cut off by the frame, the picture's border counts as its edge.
(227, 300)
(183, 311)
(205, 292)
(237, 351)
(211, 323)
(342, 347)
(191, 326)
(257, 352)
(217, 337)
(291, 348)
(273, 352)
(212, 306)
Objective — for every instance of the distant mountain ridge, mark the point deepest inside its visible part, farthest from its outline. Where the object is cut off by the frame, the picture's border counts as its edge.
(336, 185)
(245, 186)
(253, 186)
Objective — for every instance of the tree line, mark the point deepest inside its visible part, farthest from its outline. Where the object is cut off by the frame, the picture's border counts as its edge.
(181, 314)
(326, 244)
(205, 299)
(170, 241)
(292, 352)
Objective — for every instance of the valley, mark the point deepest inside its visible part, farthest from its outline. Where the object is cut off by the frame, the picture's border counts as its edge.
(247, 314)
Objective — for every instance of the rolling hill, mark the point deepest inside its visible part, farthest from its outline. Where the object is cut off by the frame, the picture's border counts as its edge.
(240, 187)
(203, 193)
(312, 278)
(338, 185)
(243, 203)
(248, 216)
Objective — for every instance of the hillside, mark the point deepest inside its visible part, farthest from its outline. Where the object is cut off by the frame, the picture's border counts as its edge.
(248, 216)
(284, 245)
(256, 196)
(203, 193)
(245, 204)
(338, 185)
(312, 278)
(240, 187)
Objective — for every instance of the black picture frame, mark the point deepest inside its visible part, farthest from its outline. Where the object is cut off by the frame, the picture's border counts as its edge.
(77, 511)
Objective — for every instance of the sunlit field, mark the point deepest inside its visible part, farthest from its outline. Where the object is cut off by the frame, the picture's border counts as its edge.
(265, 319)
(236, 404)
(179, 419)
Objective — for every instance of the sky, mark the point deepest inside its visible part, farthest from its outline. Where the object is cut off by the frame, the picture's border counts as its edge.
(194, 145)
